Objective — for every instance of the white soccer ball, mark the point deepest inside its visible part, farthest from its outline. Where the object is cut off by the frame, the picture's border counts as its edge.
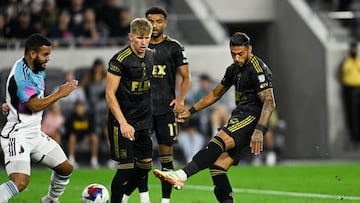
(95, 193)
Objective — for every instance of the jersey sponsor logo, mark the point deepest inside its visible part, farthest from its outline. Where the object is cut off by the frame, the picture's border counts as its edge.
(159, 71)
(140, 86)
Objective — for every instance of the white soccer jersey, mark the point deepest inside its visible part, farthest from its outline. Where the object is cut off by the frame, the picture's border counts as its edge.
(23, 84)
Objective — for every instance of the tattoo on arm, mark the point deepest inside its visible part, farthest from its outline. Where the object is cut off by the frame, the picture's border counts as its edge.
(267, 98)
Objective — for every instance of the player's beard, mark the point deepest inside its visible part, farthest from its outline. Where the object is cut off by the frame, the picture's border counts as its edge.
(159, 34)
(38, 65)
(240, 64)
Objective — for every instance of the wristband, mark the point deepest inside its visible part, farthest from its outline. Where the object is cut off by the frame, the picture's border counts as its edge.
(192, 110)
(262, 128)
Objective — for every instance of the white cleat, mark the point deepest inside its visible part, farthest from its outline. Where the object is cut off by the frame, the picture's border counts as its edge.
(170, 177)
(45, 199)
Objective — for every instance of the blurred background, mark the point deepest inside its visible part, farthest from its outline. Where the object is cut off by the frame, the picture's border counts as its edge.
(303, 42)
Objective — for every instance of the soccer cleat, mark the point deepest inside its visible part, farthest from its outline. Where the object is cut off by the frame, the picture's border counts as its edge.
(45, 199)
(170, 177)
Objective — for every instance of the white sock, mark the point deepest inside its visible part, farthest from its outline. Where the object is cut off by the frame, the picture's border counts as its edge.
(8, 190)
(125, 198)
(165, 200)
(57, 186)
(182, 175)
(144, 197)
(94, 159)
(72, 159)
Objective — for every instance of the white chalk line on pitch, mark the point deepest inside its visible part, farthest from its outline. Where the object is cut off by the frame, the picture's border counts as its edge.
(274, 192)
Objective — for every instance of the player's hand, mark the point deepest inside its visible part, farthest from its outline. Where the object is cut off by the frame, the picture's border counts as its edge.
(5, 109)
(256, 142)
(68, 87)
(127, 131)
(178, 106)
(181, 117)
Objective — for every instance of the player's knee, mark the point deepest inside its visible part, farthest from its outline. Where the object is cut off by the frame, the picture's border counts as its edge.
(225, 161)
(165, 149)
(227, 139)
(94, 138)
(64, 169)
(144, 166)
(219, 142)
(21, 185)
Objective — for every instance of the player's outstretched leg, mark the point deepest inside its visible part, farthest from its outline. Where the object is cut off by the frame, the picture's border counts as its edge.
(203, 159)
(171, 177)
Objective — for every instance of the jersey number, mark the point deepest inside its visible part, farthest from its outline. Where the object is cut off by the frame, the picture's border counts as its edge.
(173, 129)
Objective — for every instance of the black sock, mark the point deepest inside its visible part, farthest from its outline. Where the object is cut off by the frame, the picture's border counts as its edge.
(141, 170)
(222, 187)
(166, 163)
(143, 185)
(118, 184)
(205, 157)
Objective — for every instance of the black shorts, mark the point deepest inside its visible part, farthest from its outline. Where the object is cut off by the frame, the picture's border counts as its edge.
(241, 127)
(125, 151)
(166, 128)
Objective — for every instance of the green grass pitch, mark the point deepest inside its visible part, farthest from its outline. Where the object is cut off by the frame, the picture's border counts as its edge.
(308, 183)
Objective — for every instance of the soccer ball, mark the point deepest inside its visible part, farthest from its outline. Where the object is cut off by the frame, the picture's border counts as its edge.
(95, 193)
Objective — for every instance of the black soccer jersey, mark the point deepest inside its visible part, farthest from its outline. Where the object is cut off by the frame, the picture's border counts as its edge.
(248, 80)
(133, 93)
(169, 55)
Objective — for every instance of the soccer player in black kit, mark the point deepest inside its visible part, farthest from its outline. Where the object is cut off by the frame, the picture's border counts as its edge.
(254, 104)
(170, 59)
(129, 99)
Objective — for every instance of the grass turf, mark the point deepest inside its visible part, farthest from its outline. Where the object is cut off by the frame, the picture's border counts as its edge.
(308, 183)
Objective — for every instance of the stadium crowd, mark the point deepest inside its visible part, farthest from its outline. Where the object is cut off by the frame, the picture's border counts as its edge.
(67, 23)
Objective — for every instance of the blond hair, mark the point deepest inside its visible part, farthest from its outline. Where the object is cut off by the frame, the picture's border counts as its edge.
(140, 26)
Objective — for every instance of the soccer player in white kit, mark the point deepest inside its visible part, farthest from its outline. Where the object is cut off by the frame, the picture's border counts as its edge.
(21, 138)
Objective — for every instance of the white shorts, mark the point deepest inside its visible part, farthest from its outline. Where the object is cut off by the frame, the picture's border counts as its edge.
(23, 146)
